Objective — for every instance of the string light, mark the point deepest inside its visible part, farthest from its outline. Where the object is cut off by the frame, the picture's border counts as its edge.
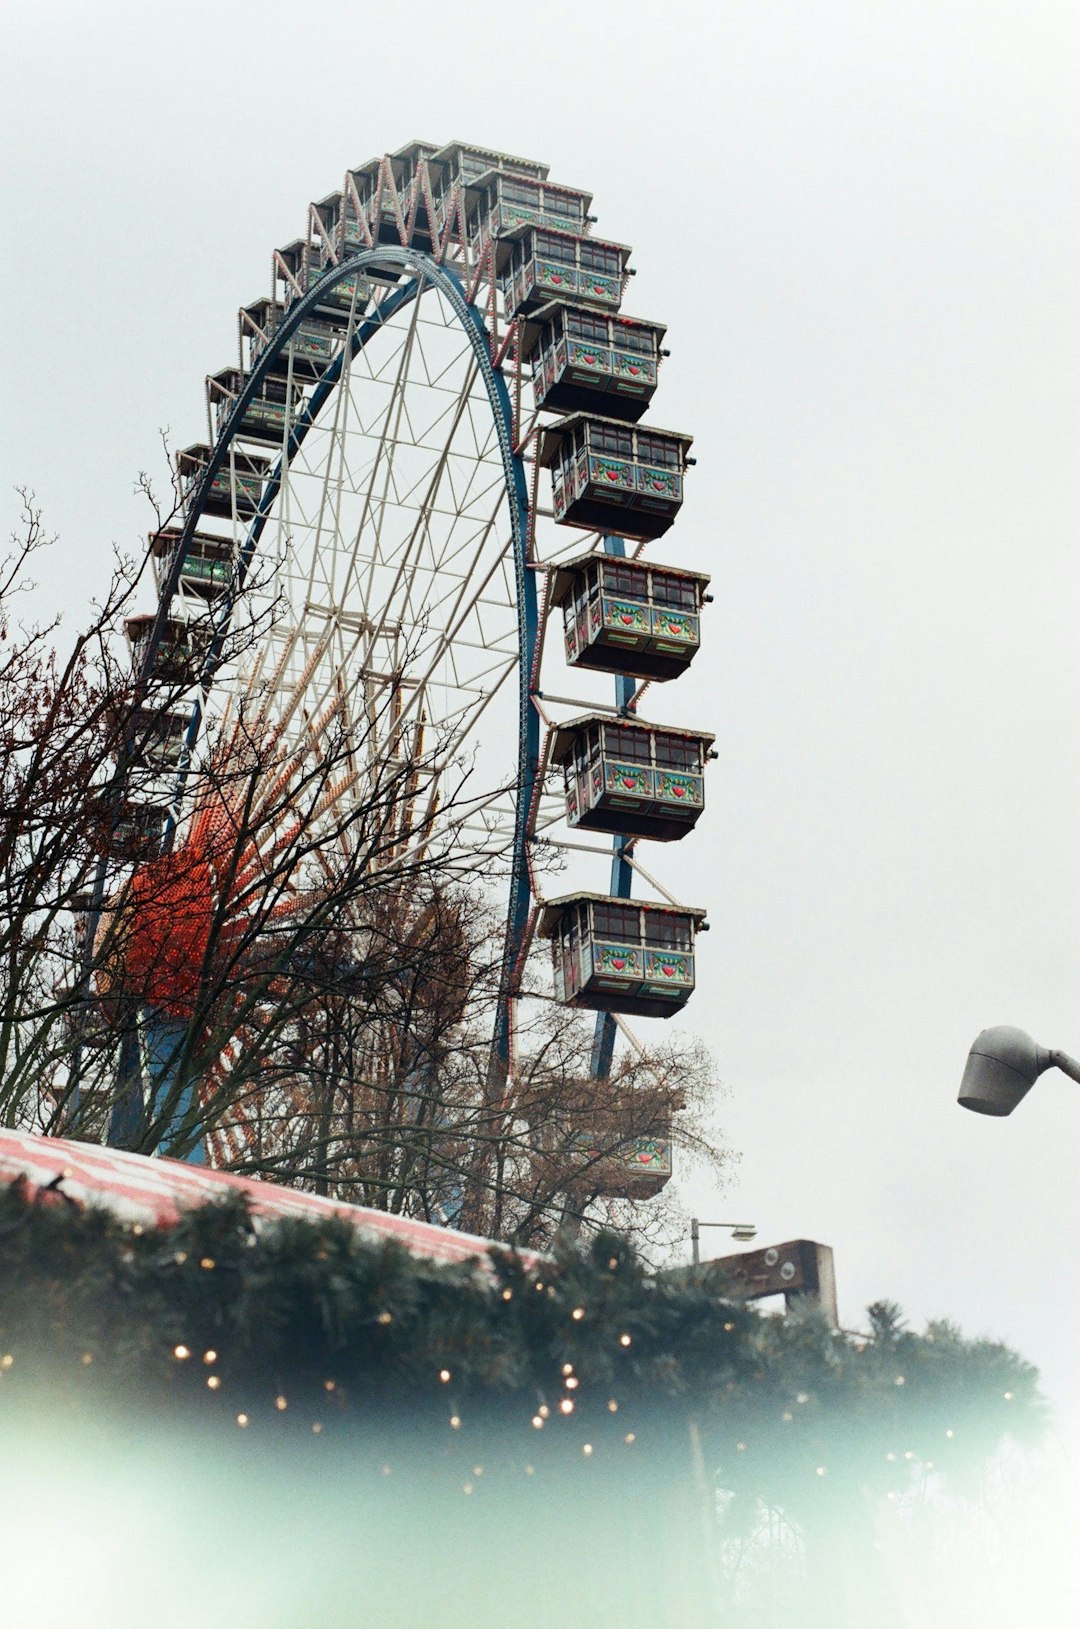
(138, 1230)
(207, 1264)
(568, 1368)
(538, 1424)
(613, 1262)
(802, 1397)
(385, 1469)
(329, 1385)
(820, 1470)
(385, 1318)
(1008, 1396)
(281, 1404)
(787, 1416)
(899, 1381)
(571, 1383)
(6, 1361)
(478, 1470)
(528, 1470)
(539, 1287)
(455, 1422)
(316, 1429)
(444, 1376)
(213, 1381)
(949, 1432)
(566, 1406)
(88, 1358)
(508, 1295)
(631, 1436)
(467, 1488)
(728, 1328)
(740, 1447)
(577, 1314)
(180, 1257)
(613, 1407)
(181, 1352)
(241, 1420)
(209, 1356)
(624, 1340)
(544, 1411)
(586, 1449)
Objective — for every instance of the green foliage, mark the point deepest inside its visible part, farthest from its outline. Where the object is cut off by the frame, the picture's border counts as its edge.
(308, 1324)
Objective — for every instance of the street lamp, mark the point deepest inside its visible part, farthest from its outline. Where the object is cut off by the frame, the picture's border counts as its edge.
(739, 1230)
(1003, 1065)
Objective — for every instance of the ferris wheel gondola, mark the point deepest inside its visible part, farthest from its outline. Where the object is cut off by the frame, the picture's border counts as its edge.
(368, 508)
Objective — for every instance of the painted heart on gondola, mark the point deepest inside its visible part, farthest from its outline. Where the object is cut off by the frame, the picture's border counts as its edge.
(618, 963)
(629, 781)
(668, 971)
(627, 616)
(679, 791)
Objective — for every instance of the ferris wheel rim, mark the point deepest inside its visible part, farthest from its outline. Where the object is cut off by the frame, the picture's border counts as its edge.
(428, 271)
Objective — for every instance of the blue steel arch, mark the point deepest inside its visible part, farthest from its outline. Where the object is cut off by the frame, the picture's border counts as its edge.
(427, 271)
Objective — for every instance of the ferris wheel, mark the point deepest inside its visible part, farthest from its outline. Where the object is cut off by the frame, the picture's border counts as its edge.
(367, 551)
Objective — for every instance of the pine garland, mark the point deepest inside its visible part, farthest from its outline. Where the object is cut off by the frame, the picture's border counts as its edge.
(305, 1327)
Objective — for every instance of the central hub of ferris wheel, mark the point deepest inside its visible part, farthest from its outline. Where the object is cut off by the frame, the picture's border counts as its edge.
(444, 339)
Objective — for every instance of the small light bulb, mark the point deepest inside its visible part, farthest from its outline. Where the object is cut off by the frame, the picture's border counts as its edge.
(577, 1314)
(528, 1470)
(544, 1411)
(329, 1385)
(208, 1264)
(568, 1368)
(180, 1257)
(478, 1470)
(316, 1429)
(385, 1469)
(213, 1381)
(631, 1436)
(566, 1406)
(539, 1287)
(803, 1397)
(1008, 1396)
(538, 1424)
(137, 1229)
(728, 1328)
(571, 1383)
(241, 1420)
(444, 1376)
(455, 1422)
(281, 1404)
(181, 1352)
(890, 1457)
(385, 1318)
(624, 1340)
(821, 1470)
(467, 1488)
(899, 1381)
(508, 1295)
(6, 1361)
(949, 1432)
(88, 1358)
(788, 1416)
(586, 1449)
(613, 1407)
(209, 1356)
(740, 1447)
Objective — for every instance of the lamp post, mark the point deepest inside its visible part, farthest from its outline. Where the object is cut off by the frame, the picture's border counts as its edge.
(1002, 1066)
(738, 1230)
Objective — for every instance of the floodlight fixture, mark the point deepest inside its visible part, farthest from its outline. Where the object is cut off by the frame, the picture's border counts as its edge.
(1003, 1065)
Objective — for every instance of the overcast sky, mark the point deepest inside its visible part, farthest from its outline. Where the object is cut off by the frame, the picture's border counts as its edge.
(860, 221)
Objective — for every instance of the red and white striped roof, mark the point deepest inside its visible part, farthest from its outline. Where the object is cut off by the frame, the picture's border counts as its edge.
(156, 1191)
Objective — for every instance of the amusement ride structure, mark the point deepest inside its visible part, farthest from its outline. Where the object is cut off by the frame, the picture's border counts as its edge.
(442, 349)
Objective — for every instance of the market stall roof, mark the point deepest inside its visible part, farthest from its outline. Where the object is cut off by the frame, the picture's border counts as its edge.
(154, 1191)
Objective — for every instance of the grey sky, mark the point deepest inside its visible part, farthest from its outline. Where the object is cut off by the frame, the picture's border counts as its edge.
(860, 221)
